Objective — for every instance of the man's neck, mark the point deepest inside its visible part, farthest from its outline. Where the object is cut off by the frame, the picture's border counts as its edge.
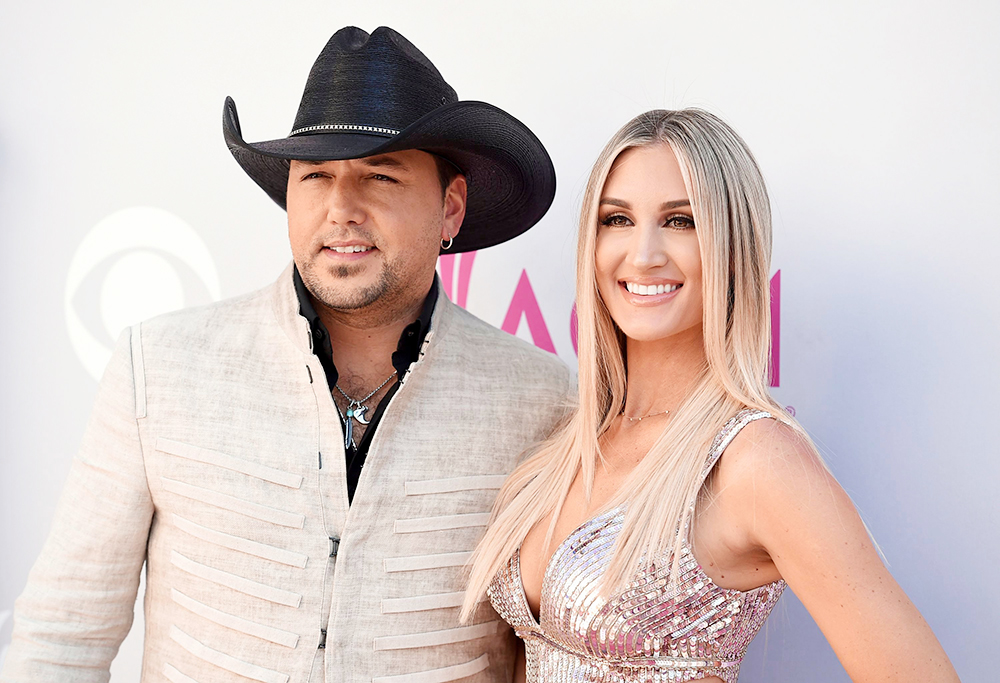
(363, 342)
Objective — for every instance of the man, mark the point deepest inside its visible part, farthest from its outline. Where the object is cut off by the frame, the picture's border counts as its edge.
(305, 469)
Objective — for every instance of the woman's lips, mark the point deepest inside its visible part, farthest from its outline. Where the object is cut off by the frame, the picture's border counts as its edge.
(649, 294)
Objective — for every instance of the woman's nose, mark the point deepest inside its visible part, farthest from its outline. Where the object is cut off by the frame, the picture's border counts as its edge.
(649, 247)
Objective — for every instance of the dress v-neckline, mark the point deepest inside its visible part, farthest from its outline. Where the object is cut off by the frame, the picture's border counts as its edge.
(537, 621)
(715, 452)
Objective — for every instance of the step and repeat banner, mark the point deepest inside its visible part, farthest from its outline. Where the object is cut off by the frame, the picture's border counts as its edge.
(875, 123)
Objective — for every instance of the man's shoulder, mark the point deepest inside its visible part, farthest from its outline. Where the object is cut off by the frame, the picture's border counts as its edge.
(253, 309)
(485, 342)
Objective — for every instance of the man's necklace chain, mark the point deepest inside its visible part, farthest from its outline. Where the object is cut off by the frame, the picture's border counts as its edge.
(356, 410)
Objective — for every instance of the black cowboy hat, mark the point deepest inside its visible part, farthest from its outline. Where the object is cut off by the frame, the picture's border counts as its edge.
(373, 94)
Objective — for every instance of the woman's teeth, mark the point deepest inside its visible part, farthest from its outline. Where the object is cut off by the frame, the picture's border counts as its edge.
(350, 250)
(649, 290)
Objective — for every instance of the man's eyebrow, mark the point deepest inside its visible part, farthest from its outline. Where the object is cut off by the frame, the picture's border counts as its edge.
(376, 161)
(384, 162)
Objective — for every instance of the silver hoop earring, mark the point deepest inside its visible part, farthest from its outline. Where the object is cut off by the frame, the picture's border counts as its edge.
(446, 247)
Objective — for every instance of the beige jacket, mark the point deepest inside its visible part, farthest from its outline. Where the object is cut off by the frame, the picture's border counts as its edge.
(215, 455)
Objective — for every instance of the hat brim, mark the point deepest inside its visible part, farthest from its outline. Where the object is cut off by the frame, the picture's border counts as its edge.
(510, 177)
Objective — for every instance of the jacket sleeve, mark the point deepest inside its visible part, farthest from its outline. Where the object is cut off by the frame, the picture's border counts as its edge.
(78, 604)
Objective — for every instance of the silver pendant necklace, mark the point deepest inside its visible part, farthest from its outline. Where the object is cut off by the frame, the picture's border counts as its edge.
(356, 410)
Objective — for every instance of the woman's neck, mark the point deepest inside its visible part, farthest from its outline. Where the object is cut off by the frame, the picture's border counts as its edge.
(662, 372)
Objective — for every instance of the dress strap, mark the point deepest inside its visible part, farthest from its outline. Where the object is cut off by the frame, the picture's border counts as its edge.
(726, 435)
(733, 426)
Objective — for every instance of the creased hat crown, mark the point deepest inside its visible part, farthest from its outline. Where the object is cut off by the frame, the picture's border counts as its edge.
(377, 81)
(378, 94)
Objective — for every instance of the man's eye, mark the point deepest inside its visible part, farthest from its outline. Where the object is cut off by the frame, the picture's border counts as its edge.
(615, 220)
(680, 222)
(310, 176)
(383, 178)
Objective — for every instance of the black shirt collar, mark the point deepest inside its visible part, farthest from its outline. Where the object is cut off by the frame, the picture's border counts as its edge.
(407, 350)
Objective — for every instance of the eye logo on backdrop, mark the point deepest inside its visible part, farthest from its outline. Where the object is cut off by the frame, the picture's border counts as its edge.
(136, 263)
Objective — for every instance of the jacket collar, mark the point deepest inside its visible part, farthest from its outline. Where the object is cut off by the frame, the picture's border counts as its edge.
(285, 303)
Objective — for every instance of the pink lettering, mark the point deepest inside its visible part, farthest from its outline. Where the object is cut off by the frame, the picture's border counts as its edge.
(446, 265)
(775, 369)
(574, 331)
(446, 268)
(525, 304)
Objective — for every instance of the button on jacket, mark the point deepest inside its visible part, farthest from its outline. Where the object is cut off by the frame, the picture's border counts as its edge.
(407, 351)
(215, 455)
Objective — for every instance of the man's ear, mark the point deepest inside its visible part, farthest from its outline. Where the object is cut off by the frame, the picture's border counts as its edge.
(455, 198)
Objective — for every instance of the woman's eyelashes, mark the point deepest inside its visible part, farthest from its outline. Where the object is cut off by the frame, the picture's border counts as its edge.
(680, 221)
(616, 220)
(677, 221)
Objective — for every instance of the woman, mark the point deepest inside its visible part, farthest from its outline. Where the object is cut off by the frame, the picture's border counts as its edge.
(649, 538)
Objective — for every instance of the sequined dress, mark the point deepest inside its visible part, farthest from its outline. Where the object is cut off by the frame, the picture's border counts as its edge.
(652, 631)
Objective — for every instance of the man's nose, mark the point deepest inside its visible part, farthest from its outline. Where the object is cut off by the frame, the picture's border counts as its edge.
(649, 247)
(344, 203)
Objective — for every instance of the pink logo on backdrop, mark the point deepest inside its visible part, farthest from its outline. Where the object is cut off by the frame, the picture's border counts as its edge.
(456, 291)
(524, 305)
(776, 329)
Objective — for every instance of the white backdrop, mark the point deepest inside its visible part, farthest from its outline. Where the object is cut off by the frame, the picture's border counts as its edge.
(876, 125)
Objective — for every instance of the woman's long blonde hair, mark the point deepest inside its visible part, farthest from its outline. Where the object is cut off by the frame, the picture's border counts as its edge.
(733, 223)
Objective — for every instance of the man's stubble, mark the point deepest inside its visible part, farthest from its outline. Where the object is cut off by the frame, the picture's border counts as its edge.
(353, 300)
(380, 303)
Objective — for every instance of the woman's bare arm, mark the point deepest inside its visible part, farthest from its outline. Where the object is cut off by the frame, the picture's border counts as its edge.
(794, 509)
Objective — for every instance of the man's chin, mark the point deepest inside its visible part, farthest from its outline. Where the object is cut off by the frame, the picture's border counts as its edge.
(342, 295)
(346, 286)
(348, 293)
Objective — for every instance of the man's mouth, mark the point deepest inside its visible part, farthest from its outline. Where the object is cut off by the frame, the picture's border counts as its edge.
(351, 249)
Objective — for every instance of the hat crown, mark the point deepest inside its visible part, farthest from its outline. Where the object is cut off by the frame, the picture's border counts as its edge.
(379, 81)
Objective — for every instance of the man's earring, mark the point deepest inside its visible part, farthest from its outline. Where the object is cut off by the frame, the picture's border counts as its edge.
(446, 247)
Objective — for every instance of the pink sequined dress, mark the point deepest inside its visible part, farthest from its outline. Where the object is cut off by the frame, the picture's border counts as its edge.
(652, 631)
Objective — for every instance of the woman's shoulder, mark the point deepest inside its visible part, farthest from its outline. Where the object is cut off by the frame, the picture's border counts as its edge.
(769, 452)
(772, 482)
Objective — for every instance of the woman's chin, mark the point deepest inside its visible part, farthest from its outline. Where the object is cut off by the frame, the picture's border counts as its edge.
(652, 333)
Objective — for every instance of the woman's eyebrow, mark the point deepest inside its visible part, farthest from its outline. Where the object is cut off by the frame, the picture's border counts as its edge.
(676, 203)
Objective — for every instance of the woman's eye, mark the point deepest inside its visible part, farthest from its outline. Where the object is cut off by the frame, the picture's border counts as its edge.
(615, 220)
(680, 222)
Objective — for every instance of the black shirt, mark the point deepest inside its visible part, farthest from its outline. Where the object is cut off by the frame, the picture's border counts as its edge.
(407, 352)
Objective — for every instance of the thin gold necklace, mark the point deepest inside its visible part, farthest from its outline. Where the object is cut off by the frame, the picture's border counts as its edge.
(640, 418)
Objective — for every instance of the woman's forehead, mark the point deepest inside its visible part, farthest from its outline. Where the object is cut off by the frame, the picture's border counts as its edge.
(648, 172)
